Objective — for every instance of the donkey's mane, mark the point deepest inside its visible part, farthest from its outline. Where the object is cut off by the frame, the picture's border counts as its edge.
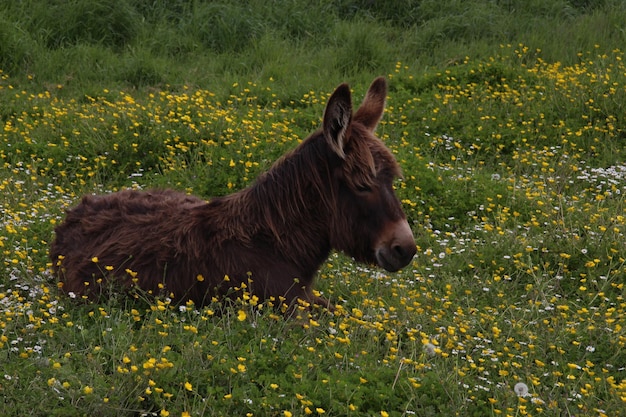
(303, 178)
(296, 190)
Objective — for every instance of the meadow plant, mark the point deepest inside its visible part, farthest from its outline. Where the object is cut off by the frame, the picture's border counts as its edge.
(514, 184)
(212, 44)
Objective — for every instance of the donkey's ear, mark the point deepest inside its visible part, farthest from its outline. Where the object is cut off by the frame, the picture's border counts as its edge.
(373, 106)
(337, 118)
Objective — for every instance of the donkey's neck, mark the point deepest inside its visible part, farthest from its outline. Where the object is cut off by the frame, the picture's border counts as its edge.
(292, 203)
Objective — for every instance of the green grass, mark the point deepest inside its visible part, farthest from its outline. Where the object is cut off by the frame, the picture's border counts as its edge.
(82, 44)
(511, 139)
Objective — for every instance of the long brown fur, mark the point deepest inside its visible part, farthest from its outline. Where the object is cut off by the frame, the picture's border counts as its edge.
(334, 191)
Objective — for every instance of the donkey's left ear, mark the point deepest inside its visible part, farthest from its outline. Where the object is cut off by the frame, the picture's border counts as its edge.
(337, 117)
(373, 106)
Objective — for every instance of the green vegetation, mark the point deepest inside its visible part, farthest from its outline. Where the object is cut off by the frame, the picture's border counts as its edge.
(507, 118)
(86, 45)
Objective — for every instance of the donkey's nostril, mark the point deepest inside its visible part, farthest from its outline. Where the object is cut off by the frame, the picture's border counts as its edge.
(399, 251)
(395, 256)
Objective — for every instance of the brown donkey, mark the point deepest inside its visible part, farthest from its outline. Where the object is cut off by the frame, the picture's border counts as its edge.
(334, 191)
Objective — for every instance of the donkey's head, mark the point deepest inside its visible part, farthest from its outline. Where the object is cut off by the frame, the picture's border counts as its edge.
(368, 222)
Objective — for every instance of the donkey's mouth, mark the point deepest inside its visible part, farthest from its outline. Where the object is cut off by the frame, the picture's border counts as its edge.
(394, 258)
(396, 248)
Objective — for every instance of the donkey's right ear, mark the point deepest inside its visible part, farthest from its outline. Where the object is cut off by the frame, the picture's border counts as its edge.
(337, 117)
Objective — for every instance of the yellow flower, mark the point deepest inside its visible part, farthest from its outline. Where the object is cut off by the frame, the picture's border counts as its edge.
(87, 390)
(241, 315)
(94, 259)
(188, 386)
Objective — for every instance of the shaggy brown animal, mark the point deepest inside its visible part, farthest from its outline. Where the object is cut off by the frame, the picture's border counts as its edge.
(334, 191)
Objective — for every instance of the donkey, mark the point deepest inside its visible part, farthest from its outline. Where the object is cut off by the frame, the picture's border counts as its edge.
(333, 191)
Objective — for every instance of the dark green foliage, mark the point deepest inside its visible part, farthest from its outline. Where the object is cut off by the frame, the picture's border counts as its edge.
(64, 23)
(16, 47)
(398, 12)
(223, 27)
(141, 70)
(360, 47)
(207, 42)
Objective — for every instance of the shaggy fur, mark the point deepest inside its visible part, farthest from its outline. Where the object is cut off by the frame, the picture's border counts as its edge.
(334, 191)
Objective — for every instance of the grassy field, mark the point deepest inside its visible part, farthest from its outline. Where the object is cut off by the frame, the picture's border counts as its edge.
(507, 118)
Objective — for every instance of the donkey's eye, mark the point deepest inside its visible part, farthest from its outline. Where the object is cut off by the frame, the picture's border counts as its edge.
(364, 188)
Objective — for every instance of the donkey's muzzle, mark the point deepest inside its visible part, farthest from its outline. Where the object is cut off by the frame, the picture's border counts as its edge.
(397, 247)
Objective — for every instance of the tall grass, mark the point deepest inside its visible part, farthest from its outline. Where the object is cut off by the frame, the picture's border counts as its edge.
(208, 40)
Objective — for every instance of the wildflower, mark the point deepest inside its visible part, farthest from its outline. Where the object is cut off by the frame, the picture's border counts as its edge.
(241, 315)
(188, 386)
(87, 390)
(521, 389)
(430, 349)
